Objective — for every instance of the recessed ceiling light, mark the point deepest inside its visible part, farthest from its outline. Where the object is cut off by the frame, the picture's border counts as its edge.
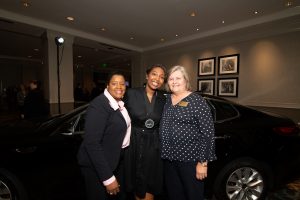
(162, 39)
(197, 29)
(176, 35)
(223, 22)
(255, 12)
(26, 4)
(103, 29)
(70, 18)
(288, 3)
(193, 14)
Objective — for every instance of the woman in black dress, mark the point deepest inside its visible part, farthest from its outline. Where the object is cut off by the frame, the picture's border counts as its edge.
(143, 164)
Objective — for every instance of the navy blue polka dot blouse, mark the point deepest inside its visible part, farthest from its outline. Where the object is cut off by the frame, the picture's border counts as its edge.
(187, 130)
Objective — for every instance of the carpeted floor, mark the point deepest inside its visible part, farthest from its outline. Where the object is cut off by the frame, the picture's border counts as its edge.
(290, 192)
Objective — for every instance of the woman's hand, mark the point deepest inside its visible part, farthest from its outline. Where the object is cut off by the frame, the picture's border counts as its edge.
(113, 188)
(201, 171)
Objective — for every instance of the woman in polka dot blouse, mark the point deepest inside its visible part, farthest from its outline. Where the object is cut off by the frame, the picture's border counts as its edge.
(187, 138)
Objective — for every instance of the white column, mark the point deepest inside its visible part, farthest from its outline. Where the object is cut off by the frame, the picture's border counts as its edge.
(138, 70)
(66, 71)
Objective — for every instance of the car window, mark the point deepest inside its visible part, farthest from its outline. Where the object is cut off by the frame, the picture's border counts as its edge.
(222, 110)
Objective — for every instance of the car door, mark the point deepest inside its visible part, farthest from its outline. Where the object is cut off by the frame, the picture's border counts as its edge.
(224, 115)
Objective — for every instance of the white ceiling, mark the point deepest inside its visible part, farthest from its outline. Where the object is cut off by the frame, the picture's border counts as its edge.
(146, 21)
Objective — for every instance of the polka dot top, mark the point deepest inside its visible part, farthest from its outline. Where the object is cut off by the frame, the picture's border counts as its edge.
(187, 130)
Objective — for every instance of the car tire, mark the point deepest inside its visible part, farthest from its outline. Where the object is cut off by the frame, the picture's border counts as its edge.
(241, 179)
(10, 187)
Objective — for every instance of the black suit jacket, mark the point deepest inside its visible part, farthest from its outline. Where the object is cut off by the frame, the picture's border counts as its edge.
(105, 130)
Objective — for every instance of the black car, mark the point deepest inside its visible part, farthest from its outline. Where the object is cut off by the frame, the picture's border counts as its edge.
(256, 151)
(38, 158)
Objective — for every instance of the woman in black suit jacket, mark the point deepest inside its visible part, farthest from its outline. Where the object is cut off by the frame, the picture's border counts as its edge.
(107, 132)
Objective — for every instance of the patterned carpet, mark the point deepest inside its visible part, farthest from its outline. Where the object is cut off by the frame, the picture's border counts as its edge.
(290, 192)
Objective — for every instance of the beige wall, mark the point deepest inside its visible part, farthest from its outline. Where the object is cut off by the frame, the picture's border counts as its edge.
(269, 71)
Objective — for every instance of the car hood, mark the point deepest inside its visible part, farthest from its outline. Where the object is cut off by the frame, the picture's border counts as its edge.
(18, 131)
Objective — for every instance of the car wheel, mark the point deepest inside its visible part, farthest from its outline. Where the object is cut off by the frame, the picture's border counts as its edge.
(10, 187)
(242, 179)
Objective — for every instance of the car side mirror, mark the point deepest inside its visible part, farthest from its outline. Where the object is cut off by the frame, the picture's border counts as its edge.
(69, 127)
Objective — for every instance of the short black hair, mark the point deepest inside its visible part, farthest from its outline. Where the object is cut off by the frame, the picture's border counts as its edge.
(111, 74)
(154, 66)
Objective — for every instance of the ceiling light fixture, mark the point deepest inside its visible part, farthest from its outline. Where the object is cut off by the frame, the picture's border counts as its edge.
(223, 22)
(255, 12)
(26, 3)
(70, 18)
(193, 14)
(197, 29)
(176, 35)
(103, 29)
(288, 3)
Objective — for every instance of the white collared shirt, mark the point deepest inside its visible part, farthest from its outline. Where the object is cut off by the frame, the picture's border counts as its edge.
(120, 105)
(126, 141)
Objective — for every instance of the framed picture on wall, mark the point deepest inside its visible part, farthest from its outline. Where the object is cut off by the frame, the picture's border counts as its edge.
(229, 64)
(228, 87)
(206, 86)
(206, 66)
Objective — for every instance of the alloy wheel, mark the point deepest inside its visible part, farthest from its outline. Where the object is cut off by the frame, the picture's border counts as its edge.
(5, 193)
(244, 184)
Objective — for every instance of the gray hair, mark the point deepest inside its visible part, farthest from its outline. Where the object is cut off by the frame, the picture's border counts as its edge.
(185, 76)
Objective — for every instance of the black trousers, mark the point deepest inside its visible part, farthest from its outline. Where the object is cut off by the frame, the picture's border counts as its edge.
(181, 182)
(94, 188)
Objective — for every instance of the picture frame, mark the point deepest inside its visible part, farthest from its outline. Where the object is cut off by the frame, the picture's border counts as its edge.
(206, 86)
(206, 66)
(229, 64)
(228, 87)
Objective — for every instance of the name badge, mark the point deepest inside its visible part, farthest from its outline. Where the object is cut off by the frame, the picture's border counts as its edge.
(149, 123)
(183, 103)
